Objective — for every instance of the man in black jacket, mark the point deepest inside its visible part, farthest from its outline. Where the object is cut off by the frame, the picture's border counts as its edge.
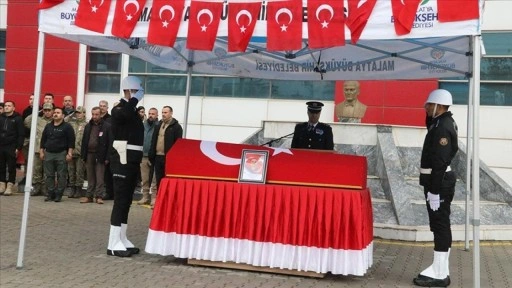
(11, 141)
(95, 152)
(166, 133)
(128, 135)
(57, 144)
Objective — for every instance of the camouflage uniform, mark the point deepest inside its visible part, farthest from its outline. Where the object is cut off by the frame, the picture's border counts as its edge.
(38, 175)
(76, 167)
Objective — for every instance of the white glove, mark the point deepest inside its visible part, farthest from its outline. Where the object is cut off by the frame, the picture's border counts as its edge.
(434, 201)
(139, 94)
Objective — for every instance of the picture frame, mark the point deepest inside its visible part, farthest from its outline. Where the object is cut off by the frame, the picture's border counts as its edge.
(253, 166)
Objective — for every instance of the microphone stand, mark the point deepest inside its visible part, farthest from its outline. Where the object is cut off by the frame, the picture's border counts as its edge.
(269, 143)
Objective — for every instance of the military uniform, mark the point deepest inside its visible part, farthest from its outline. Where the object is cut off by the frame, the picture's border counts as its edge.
(309, 136)
(127, 127)
(76, 169)
(436, 177)
(38, 174)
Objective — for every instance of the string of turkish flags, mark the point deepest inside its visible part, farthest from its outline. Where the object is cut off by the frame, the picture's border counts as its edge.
(326, 20)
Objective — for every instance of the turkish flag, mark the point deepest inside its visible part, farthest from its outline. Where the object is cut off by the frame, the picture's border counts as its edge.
(92, 15)
(242, 19)
(126, 15)
(221, 161)
(359, 12)
(203, 24)
(457, 10)
(165, 21)
(404, 13)
(326, 23)
(45, 4)
(284, 25)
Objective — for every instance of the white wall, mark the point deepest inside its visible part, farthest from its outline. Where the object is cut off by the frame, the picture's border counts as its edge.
(497, 15)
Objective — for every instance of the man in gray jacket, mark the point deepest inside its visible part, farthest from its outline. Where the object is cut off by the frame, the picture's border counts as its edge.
(146, 170)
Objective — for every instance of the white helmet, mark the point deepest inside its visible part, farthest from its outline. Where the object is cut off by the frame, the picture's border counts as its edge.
(440, 96)
(131, 83)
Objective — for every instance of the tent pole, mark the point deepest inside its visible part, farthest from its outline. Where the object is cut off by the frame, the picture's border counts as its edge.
(31, 149)
(468, 163)
(82, 67)
(187, 100)
(476, 160)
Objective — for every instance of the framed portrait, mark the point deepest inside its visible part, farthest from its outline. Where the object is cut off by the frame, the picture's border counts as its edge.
(253, 168)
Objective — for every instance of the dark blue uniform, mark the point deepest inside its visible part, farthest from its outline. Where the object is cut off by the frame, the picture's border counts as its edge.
(318, 137)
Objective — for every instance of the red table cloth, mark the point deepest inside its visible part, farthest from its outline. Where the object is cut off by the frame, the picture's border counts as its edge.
(289, 227)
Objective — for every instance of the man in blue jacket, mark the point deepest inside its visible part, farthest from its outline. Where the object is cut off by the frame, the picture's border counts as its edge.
(11, 142)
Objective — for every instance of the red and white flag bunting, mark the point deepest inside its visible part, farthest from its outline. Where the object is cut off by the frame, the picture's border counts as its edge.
(242, 19)
(92, 15)
(203, 24)
(282, 22)
(165, 21)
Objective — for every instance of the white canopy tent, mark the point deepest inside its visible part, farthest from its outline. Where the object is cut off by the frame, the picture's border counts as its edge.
(432, 50)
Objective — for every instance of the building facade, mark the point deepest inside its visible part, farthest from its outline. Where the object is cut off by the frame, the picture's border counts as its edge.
(231, 109)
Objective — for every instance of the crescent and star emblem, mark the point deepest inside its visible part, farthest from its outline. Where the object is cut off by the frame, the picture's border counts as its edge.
(238, 15)
(326, 7)
(209, 149)
(93, 7)
(287, 12)
(162, 10)
(207, 12)
(129, 17)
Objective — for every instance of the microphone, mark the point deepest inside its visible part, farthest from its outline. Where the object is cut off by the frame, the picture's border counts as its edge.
(269, 143)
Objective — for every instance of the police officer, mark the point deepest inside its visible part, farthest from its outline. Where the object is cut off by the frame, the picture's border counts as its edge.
(313, 134)
(438, 181)
(128, 135)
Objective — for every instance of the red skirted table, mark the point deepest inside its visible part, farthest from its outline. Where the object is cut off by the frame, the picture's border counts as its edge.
(281, 226)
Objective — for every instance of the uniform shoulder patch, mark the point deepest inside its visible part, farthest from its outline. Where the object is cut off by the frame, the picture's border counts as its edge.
(443, 141)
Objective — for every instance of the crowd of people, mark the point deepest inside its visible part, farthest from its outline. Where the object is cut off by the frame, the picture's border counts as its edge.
(72, 148)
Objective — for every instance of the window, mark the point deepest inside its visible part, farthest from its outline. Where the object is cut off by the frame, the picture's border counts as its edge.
(2, 57)
(104, 71)
(495, 73)
(162, 81)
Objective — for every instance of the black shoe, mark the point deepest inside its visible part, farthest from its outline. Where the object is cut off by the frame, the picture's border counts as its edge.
(48, 199)
(425, 281)
(58, 198)
(133, 250)
(119, 253)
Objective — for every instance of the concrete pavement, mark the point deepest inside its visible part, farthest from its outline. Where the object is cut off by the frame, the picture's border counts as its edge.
(66, 245)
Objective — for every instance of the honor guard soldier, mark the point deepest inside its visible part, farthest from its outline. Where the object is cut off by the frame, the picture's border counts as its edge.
(125, 158)
(438, 181)
(313, 134)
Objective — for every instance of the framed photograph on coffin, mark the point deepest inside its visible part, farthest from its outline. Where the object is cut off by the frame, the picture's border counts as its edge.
(253, 168)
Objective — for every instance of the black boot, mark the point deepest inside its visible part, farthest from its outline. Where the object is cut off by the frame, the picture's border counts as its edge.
(50, 196)
(425, 281)
(58, 196)
(119, 253)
